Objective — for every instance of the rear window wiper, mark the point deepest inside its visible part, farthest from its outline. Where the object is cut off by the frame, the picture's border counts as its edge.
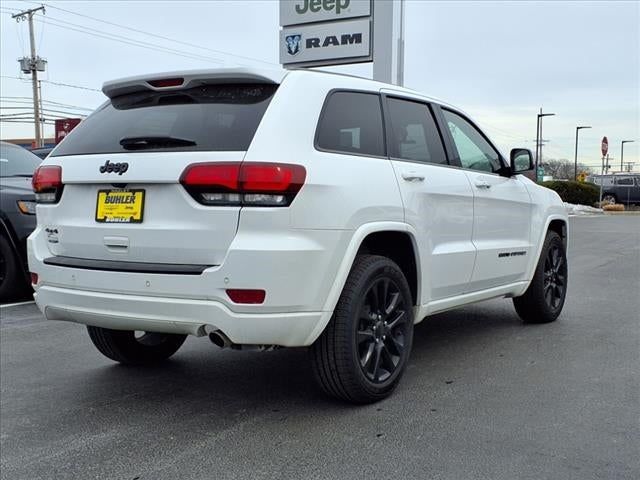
(139, 143)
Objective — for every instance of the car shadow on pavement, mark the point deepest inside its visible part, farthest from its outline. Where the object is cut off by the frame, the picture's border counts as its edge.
(202, 377)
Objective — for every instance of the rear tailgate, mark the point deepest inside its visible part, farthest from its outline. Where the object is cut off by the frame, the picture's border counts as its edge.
(174, 227)
(121, 168)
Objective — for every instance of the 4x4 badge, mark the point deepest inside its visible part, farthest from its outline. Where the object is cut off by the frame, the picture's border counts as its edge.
(118, 168)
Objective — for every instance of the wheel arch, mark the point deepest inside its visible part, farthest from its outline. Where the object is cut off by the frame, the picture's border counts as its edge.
(373, 238)
(559, 226)
(558, 223)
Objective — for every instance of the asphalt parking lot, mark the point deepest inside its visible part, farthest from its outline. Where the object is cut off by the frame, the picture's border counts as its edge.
(484, 396)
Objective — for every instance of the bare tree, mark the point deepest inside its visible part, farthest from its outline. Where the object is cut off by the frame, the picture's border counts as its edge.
(563, 169)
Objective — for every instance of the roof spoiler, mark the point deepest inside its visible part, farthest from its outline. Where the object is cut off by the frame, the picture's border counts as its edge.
(191, 78)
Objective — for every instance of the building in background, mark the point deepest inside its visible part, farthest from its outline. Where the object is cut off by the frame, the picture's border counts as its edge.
(62, 128)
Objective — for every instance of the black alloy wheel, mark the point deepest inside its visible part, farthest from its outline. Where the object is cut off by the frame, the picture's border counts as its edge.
(381, 330)
(545, 297)
(362, 353)
(555, 277)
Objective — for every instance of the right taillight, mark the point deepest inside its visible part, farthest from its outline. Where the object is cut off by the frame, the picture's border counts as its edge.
(246, 183)
(47, 183)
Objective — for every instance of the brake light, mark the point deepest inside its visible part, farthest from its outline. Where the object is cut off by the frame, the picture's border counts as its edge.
(247, 183)
(34, 278)
(238, 295)
(47, 183)
(166, 82)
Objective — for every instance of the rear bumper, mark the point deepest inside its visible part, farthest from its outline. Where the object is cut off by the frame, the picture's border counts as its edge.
(177, 315)
(296, 268)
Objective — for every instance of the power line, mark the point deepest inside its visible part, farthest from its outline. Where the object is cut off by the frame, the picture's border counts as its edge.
(49, 102)
(50, 82)
(181, 42)
(66, 112)
(503, 132)
(117, 38)
(70, 85)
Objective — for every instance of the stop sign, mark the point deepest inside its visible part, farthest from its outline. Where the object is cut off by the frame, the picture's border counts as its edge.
(605, 146)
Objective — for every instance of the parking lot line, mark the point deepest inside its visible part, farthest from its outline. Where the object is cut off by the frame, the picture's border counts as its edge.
(7, 305)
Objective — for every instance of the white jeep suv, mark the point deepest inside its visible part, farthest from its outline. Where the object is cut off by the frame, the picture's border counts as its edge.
(273, 208)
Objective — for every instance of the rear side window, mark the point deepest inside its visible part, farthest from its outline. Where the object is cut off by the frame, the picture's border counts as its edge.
(624, 181)
(351, 122)
(414, 135)
(204, 118)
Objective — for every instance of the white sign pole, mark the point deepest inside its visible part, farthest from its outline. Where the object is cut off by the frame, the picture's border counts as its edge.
(388, 41)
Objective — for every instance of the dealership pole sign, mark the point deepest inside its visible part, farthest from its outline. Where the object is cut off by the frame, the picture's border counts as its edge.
(325, 32)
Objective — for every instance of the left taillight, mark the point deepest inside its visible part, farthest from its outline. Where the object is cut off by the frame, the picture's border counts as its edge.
(246, 183)
(47, 183)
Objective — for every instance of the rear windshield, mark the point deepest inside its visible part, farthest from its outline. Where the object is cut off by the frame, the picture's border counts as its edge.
(204, 118)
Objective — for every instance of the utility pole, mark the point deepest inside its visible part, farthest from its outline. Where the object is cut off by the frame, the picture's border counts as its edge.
(41, 113)
(33, 65)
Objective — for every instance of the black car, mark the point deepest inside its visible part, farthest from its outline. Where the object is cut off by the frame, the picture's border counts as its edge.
(42, 152)
(619, 188)
(17, 217)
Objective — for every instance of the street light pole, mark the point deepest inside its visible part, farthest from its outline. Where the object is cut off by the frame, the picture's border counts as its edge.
(575, 160)
(539, 139)
(622, 153)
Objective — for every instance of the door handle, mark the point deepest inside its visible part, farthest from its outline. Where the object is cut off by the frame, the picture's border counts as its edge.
(482, 184)
(412, 177)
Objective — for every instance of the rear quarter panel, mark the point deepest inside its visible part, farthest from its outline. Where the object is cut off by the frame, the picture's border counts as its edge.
(342, 193)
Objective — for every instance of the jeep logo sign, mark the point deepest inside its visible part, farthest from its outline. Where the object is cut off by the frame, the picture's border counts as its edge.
(317, 5)
(326, 43)
(298, 12)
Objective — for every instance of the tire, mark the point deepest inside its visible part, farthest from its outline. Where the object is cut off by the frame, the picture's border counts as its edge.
(11, 278)
(609, 198)
(125, 347)
(544, 299)
(362, 353)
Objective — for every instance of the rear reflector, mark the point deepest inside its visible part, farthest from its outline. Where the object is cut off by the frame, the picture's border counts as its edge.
(246, 296)
(47, 183)
(34, 278)
(166, 82)
(247, 183)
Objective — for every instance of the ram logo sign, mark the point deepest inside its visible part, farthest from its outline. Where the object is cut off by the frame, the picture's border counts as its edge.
(293, 44)
(326, 43)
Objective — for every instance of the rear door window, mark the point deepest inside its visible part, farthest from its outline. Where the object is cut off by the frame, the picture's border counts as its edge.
(351, 122)
(204, 118)
(414, 135)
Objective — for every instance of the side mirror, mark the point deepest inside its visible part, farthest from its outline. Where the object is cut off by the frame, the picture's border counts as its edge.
(521, 160)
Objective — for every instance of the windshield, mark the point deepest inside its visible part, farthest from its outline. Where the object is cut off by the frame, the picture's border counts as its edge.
(204, 118)
(16, 161)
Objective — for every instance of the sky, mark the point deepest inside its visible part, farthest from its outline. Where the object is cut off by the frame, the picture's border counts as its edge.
(498, 61)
